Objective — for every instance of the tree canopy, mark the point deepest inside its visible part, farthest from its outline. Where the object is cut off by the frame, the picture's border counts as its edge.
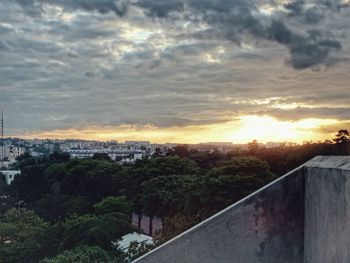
(76, 210)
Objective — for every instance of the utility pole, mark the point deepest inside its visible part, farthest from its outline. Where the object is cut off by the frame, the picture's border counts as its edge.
(2, 140)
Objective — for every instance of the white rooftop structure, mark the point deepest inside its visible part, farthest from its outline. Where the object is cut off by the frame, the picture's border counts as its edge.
(126, 240)
(10, 175)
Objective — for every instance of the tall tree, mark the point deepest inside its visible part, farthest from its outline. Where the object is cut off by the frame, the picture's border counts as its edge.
(101, 230)
(342, 141)
(342, 137)
(113, 204)
(22, 236)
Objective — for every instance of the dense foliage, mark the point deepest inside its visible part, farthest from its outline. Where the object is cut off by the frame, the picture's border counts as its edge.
(62, 210)
(84, 254)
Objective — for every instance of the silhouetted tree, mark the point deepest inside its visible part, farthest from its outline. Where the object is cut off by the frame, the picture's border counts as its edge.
(253, 147)
(342, 137)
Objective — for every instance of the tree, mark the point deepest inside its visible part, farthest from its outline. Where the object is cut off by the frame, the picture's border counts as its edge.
(55, 207)
(54, 174)
(118, 204)
(26, 159)
(157, 153)
(145, 170)
(101, 157)
(90, 178)
(165, 196)
(253, 147)
(179, 150)
(22, 236)
(207, 159)
(232, 181)
(342, 142)
(84, 254)
(137, 249)
(168, 165)
(30, 185)
(101, 230)
(2, 183)
(342, 137)
(59, 157)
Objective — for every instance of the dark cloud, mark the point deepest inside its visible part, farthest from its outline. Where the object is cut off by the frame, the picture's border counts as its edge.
(233, 20)
(161, 8)
(119, 7)
(312, 16)
(33, 7)
(313, 12)
(228, 20)
(79, 29)
(299, 7)
(306, 51)
(295, 8)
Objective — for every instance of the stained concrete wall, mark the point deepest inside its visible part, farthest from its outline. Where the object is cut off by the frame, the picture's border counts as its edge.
(301, 217)
(327, 211)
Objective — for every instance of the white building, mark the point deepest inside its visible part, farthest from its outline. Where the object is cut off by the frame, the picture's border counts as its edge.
(11, 152)
(122, 155)
(7, 164)
(10, 175)
(126, 240)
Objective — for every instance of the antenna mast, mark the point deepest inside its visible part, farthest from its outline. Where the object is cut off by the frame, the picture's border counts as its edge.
(2, 140)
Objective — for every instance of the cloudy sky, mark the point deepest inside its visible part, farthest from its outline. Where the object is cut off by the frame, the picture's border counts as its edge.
(175, 70)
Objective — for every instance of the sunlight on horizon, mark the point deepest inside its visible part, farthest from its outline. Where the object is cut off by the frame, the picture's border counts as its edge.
(242, 130)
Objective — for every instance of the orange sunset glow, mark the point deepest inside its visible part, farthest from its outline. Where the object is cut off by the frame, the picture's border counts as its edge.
(246, 129)
(174, 73)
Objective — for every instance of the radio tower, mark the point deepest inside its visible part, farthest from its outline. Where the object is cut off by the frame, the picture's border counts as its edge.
(2, 140)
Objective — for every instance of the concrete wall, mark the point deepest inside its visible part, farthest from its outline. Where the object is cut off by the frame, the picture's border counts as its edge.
(301, 217)
(327, 210)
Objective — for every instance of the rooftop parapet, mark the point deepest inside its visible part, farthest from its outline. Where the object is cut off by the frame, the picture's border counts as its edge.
(303, 216)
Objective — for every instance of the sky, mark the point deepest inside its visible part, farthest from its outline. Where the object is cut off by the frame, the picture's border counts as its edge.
(184, 71)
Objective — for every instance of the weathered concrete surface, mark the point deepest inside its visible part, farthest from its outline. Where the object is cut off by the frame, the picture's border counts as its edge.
(327, 211)
(301, 217)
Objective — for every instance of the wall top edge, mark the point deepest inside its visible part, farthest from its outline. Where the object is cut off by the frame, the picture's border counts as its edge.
(330, 162)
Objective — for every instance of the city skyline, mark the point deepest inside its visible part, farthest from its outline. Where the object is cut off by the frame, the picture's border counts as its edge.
(182, 71)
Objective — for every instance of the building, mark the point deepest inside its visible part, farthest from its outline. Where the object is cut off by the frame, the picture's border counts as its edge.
(126, 240)
(10, 175)
(122, 155)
